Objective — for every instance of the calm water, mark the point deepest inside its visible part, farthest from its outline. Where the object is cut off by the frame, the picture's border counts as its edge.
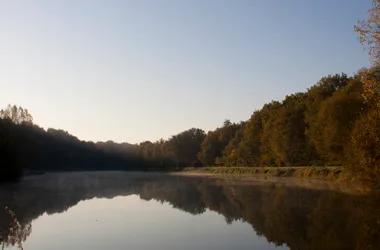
(146, 211)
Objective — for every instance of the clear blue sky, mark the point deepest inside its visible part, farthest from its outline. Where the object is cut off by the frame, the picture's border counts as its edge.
(141, 70)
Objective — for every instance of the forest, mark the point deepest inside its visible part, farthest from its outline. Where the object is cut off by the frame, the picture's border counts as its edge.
(331, 124)
(334, 123)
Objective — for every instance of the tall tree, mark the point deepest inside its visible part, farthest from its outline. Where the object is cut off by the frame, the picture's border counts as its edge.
(366, 148)
(230, 153)
(10, 163)
(248, 149)
(185, 146)
(366, 135)
(369, 36)
(318, 93)
(369, 32)
(17, 115)
(335, 121)
(268, 116)
(289, 142)
(371, 85)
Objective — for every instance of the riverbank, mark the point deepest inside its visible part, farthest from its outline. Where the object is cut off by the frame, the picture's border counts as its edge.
(299, 177)
(329, 173)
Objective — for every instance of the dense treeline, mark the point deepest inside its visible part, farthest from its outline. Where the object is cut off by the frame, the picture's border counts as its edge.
(179, 151)
(332, 123)
(335, 122)
(25, 147)
(311, 128)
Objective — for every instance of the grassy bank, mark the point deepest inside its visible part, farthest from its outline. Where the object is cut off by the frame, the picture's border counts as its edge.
(331, 173)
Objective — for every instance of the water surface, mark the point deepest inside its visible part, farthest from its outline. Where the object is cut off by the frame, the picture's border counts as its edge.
(118, 210)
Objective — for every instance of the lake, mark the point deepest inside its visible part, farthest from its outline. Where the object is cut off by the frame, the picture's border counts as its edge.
(121, 210)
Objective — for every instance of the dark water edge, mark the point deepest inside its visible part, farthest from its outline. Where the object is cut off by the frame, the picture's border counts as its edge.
(307, 215)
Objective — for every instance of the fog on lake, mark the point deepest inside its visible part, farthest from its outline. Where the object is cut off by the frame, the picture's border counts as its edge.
(121, 210)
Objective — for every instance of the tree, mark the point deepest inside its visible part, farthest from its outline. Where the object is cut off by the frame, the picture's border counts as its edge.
(10, 161)
(17, 115)
(268, 116)
(369, 32)
(316, 95)
(185, 146)
(13, 122)
(230, 156)
(366, 148)
(366, 136)
(289, 142)
(371, 85)
(216, 141)
(335, 121)
(146, 150)
(369, 36)
(248, 150)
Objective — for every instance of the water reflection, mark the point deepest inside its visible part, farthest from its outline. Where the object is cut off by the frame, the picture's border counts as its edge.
(284, 215)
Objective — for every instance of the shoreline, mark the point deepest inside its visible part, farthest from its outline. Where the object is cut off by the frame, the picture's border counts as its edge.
(345, 186)
(310, 174)
(328, 173)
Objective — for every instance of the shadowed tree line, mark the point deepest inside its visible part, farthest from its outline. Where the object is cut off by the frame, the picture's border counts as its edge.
(26, 147)
(296, 216)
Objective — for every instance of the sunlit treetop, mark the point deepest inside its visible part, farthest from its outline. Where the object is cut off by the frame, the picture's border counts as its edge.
(369, 32)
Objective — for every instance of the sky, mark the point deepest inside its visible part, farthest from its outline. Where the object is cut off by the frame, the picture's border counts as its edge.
(132, 223)
(137, 70)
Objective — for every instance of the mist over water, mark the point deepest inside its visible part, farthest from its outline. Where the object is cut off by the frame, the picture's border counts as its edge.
(121, 210)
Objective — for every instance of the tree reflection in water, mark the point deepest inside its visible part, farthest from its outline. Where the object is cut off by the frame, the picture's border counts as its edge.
(17, 233)
(301, 217)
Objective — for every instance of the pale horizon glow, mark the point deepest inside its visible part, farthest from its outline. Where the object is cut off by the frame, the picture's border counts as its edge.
(138, 70)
